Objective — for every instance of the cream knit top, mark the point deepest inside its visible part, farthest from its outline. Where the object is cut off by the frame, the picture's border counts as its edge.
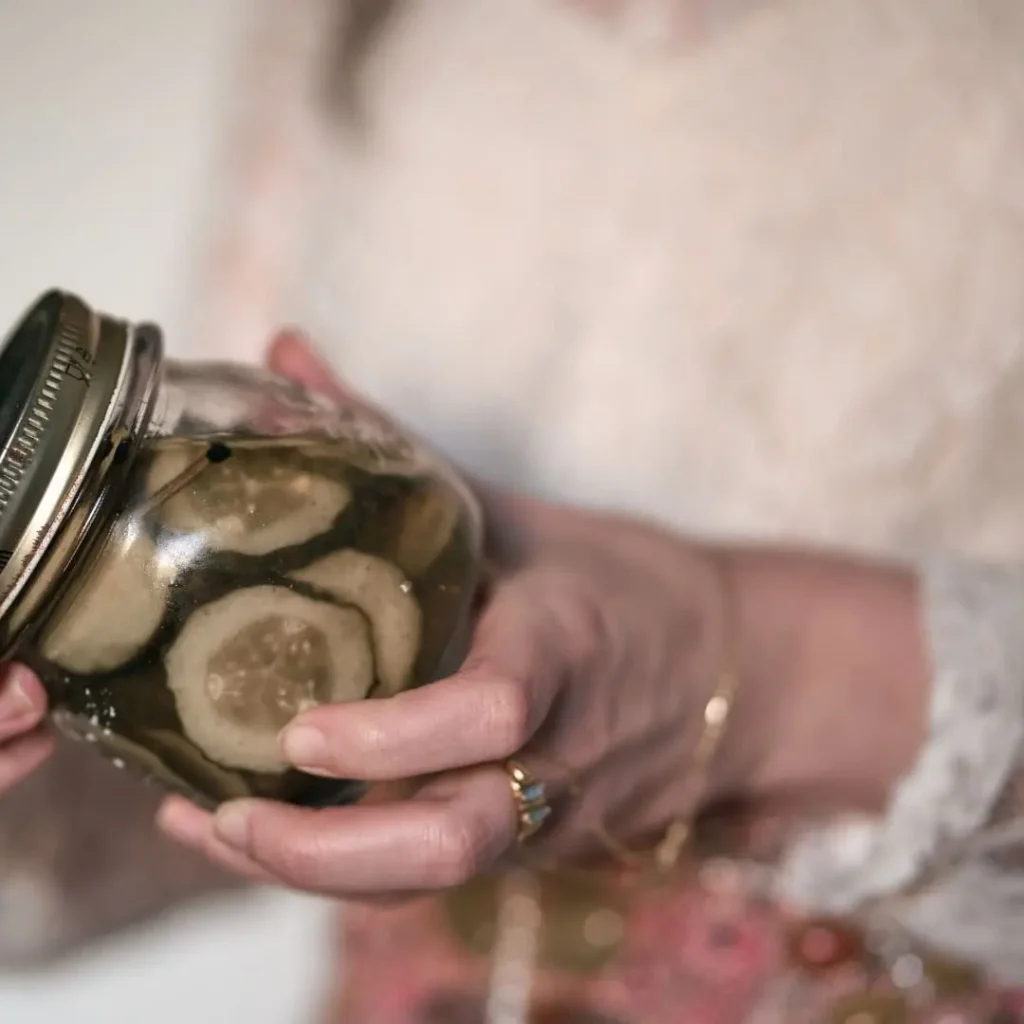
(753, 268)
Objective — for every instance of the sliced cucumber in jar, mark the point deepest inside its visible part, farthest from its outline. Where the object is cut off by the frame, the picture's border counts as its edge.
(385, 596)
(120, 604)
(245, 665)
(249, 498)
(429, 519)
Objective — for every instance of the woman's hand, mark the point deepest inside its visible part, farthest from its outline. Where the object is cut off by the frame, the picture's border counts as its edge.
(595, 653)
(23, 744)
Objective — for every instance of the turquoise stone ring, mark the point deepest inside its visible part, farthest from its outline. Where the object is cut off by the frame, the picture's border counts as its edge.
(530, 797)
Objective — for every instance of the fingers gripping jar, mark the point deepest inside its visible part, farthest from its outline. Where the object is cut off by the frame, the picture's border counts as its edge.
(193, 554)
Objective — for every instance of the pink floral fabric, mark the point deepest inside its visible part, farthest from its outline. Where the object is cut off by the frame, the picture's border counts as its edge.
(701, 949)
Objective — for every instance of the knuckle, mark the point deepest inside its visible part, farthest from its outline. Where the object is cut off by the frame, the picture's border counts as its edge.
(508, 716)
(296, 861)
(367, 743)
(461, 850)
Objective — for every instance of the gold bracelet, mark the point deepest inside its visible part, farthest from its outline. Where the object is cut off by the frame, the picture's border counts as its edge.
(677, 836)
(716, 717)
(719, 705)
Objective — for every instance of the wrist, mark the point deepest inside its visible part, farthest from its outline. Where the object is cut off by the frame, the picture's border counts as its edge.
(834, 678)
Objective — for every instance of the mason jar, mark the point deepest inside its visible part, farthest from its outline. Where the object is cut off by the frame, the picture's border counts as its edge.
(191, 554)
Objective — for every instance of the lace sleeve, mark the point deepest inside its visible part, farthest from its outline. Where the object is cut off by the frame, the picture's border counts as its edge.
(947, 860)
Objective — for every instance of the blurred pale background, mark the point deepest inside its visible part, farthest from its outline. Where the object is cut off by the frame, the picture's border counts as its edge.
(109, 122)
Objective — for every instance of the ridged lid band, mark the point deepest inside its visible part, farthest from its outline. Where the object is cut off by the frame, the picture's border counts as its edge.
(61, 369)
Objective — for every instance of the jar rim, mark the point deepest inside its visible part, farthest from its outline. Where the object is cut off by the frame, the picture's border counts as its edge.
(60, 412)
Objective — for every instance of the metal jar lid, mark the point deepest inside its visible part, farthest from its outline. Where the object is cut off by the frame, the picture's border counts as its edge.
(63, 371)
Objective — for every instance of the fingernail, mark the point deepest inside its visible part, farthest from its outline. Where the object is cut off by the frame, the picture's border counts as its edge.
(14, 699)
(231, 823)
(304, 746)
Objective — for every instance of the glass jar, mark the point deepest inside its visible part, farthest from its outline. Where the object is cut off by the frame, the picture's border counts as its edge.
(192, 554)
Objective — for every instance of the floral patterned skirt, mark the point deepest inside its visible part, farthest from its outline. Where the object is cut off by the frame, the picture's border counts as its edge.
(699, 948)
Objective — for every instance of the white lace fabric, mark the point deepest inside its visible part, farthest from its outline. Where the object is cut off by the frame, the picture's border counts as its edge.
(954, 827)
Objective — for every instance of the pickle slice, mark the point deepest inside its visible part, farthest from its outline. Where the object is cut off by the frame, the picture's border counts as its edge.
(252, 499)
(107, 620)
(429, 518)
(382, 593)
(244, 666)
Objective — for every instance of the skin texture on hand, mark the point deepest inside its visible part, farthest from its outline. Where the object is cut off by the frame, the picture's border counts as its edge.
(594, 655)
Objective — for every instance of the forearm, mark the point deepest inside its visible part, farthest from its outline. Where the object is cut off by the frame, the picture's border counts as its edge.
(835, 675)
(913, 682)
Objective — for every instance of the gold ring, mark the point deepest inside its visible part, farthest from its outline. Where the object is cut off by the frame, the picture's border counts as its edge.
(530, 796)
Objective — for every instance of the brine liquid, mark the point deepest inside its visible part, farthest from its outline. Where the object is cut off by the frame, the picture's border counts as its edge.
(215, 518)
